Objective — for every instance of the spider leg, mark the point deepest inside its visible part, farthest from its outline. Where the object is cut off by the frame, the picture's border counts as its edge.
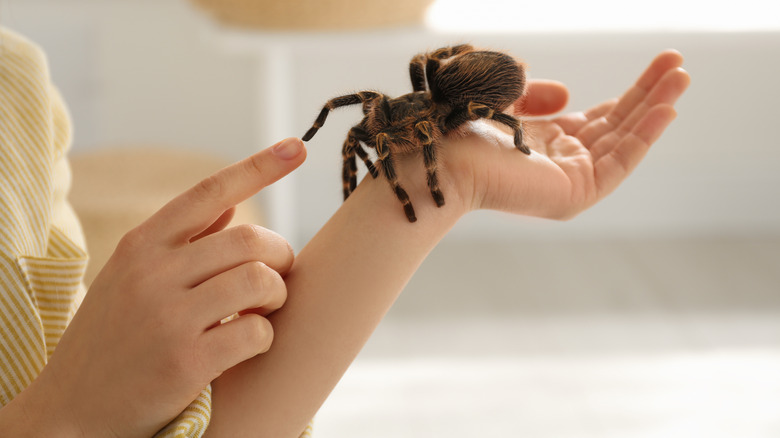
(517, 127)
(425, 133)
(364, 156)
(475, 111)
(349, 168)
(386, 163)
(349, 99)
(417, 72)
(352, 147)
(362, 136)
(417, 66)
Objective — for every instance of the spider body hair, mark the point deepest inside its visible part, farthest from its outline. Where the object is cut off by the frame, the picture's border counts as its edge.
(452, 86)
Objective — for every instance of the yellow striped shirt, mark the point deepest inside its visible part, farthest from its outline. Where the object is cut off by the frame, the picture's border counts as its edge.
(42, 260)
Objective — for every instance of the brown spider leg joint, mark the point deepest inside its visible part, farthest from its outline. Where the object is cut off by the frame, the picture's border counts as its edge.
(383, 153)
(517, 127)
(425, 135)
(424, 129)
(367, 161)
(381, 147)
(478, 110)
(349, 171)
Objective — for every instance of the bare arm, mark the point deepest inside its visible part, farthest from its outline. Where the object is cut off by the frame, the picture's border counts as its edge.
(339, 288)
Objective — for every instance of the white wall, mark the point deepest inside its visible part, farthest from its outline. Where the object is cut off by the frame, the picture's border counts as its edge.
(138, 72)
(156, 72)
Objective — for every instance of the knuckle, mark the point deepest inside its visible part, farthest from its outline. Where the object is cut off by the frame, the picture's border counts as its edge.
(139, 257)
(258, 243)
(133, 251)
(288, 255)
(275, 291)
(256, 276)
(249, 237)
(259, 332)
(254, 165)
(265, 285)
(209, 188)
(281, 293)
(132, 240)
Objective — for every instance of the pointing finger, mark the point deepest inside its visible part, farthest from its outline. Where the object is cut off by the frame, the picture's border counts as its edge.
(195, 210)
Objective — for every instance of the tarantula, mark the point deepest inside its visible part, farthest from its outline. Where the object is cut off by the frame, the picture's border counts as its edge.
(463, 84)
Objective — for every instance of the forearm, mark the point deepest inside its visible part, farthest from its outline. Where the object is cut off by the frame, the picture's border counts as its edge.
(340, 286)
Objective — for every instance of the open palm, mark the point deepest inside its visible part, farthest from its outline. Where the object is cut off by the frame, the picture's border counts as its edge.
(577, 158)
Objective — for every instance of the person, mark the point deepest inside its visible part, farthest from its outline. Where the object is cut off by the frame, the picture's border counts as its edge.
(153, 330)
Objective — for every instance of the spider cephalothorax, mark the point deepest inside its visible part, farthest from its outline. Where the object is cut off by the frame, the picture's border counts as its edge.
(463, 84)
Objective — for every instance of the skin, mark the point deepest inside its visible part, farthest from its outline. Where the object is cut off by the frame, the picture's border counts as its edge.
(141, 347)
(344, 281)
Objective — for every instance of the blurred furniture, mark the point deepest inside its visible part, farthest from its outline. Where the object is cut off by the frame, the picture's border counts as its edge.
(315, 14)
(116, 189)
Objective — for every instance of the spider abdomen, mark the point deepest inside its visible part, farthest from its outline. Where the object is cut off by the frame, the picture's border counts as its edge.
(493, 79)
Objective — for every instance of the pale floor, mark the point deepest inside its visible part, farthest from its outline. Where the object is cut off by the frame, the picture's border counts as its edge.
(625, 338)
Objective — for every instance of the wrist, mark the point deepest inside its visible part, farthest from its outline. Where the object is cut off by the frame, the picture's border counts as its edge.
(413, 180)
(34, 413)
(490, 173)
(463, 160)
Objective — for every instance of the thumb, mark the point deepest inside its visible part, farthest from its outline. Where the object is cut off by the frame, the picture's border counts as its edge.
(195, 210)
(542, 97)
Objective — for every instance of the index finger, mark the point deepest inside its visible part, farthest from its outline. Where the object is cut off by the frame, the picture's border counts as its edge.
(193, 211)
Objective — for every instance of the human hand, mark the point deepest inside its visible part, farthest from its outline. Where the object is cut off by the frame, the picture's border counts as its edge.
(578, 158)
(147, 338)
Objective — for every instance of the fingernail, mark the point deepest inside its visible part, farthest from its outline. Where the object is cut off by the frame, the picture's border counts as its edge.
(288, 149)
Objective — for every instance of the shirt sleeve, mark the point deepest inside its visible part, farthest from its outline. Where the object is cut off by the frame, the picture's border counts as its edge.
(193, 421)
(42, 250)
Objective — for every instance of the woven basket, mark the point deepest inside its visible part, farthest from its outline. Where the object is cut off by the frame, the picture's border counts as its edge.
(316, 14)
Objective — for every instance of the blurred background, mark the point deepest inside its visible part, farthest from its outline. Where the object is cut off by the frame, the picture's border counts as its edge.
(654, 314)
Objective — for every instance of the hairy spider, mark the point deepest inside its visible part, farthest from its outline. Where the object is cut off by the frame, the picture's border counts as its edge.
(463, 84)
